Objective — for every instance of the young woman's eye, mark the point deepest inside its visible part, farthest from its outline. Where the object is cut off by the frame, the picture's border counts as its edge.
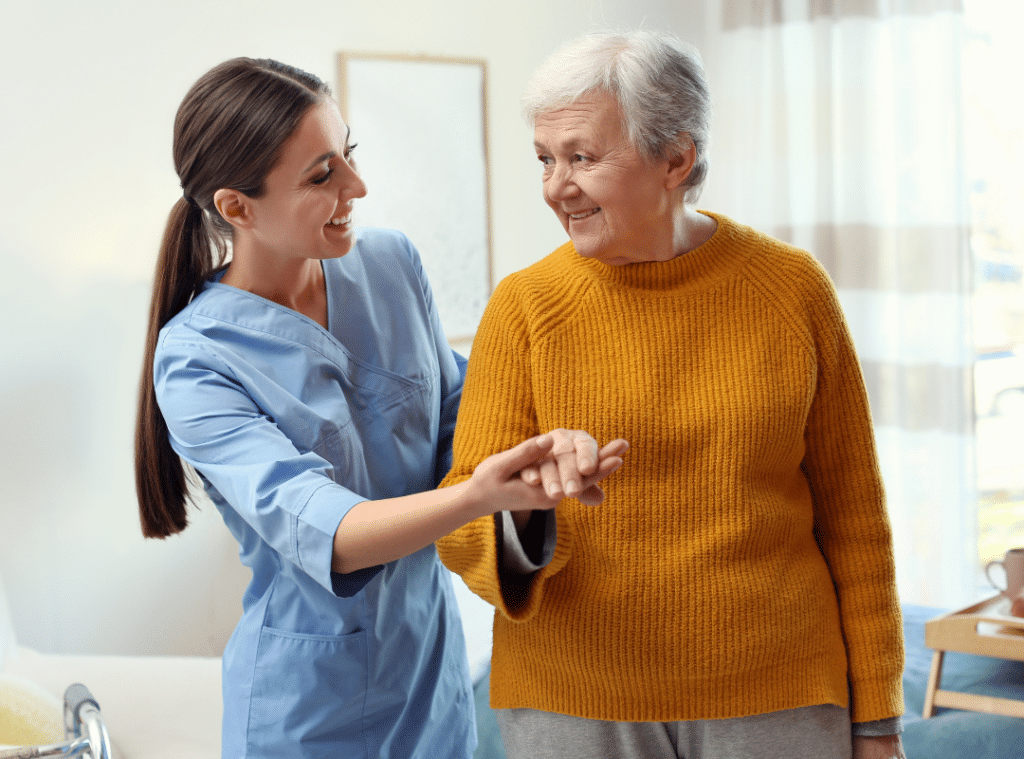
(348, 153)
(323, 177)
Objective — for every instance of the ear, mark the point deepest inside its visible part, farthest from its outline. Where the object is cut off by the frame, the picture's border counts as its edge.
(680, 161)
(233, 206)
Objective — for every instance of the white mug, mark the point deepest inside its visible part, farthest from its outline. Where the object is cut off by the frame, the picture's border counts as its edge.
(1013, 566)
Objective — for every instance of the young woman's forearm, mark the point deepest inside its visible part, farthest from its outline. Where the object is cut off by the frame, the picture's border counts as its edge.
(376, 532)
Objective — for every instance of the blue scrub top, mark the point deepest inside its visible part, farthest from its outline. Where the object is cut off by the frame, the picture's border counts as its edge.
(291, 425)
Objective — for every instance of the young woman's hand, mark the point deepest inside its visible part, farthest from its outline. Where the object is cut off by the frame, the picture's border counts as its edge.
(539, 472)
(496, 484)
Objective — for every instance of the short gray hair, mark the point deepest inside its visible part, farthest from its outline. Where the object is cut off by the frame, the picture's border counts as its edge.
(658, 81)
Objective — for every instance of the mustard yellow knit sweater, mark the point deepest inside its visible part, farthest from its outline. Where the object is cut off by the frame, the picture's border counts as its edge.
(742, 560)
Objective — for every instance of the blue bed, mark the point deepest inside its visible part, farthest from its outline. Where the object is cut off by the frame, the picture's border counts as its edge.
(949, 735)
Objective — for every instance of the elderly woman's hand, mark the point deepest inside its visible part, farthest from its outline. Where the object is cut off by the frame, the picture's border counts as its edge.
(575, 466)
(878, 747)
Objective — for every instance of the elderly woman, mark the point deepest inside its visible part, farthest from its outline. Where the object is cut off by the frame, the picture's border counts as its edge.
(734, 596)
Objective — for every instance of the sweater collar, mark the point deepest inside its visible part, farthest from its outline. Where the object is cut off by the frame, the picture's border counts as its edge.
(705, 265)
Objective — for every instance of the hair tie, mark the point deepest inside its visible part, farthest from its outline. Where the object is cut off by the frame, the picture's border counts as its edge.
(189, 199)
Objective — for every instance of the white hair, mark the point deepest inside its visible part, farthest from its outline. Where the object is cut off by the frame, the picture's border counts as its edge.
(658, 81)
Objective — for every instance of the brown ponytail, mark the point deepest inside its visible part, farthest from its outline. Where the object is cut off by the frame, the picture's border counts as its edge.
(229, 132)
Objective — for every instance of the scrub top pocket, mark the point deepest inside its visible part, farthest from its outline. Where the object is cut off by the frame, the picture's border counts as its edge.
(282, 715)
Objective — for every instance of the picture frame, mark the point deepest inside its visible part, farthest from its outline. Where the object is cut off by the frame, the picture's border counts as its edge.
(421, 126)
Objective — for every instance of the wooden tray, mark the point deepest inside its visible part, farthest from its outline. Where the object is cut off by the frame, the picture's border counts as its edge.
(986, 629)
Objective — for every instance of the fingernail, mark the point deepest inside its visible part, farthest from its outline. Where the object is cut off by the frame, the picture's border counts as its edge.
(573, 488)
(553, 489)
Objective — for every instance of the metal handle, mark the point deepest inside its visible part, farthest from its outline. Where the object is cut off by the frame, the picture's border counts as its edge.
(25, 752)
(95, 732)
(82, 719)
(85, 729)
(75, 697)
(71, 748)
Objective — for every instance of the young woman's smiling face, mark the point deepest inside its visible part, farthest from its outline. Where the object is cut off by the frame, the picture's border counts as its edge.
(617, 207)
(306, 208)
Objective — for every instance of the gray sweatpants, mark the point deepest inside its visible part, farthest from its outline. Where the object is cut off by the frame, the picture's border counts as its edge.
(812, 732)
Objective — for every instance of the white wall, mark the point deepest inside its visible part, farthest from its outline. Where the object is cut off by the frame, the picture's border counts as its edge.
(89, 95)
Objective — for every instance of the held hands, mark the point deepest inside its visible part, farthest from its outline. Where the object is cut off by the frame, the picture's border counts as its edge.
(376, 532)
(539, 472)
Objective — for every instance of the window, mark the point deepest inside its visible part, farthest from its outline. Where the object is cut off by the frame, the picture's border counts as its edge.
(994, 126)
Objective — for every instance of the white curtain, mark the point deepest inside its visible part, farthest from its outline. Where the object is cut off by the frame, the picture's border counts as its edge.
(838, 128)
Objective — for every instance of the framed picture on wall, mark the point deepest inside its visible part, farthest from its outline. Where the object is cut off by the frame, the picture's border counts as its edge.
(420, 123)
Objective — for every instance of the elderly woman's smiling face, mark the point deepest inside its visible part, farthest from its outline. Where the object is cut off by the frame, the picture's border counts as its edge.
(617, 207)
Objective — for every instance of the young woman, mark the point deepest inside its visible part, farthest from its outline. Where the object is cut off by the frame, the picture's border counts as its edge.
(307, 380)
